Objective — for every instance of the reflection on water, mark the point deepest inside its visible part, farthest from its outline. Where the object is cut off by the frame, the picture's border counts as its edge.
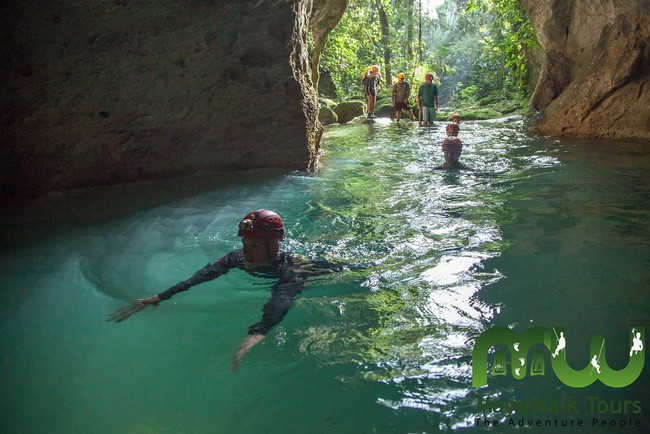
(543, 233)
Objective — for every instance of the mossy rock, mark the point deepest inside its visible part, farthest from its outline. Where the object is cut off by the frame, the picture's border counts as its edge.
(479, 114)
(326, 102)
(382, 97)
(388, 111)
(444, 115)
(327, 116)
(385, 111)
(348, 110)
(471, 113)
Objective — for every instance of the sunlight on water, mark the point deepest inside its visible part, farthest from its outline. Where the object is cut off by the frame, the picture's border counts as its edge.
(542, 233)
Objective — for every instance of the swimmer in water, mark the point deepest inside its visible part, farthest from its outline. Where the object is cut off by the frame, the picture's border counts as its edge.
(452, 147)
(261, 232)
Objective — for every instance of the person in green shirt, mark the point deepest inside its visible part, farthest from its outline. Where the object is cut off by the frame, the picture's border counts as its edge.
(427, 100)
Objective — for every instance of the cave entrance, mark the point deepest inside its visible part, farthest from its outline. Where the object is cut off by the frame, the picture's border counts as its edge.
(479, 51)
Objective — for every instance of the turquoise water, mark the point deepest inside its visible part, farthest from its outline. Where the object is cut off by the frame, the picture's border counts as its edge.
(544, 233)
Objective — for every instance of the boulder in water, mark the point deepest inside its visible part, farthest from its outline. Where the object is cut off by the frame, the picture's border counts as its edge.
(327, 116)
(348, 110)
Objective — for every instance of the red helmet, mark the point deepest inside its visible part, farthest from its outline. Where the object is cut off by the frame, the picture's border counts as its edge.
(428, 76)
(454, 129)
(263, 223)
(455, 116)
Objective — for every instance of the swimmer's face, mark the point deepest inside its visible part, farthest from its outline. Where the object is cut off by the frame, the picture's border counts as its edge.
(452, 132)
(257, 251)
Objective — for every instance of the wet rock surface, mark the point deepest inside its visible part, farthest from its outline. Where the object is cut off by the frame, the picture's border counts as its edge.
(117, 91)
(595, 77)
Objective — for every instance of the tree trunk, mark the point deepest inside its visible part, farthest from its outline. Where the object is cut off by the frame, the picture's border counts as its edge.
(409, 30)
(420, 36)
(385, 40)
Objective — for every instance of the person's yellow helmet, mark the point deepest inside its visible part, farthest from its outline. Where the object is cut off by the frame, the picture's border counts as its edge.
(400, 76)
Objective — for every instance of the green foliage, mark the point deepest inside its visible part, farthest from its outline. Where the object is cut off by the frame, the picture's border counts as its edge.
(357, 43)
(467, 96)
(480, 113)
(511, 36)
(476, 49)
(352, 46)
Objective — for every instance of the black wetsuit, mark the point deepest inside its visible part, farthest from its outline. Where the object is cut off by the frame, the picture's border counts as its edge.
(457, 165)
(292, 276)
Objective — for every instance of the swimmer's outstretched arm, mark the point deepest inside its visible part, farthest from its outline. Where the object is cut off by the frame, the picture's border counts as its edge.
(249, 342)
(209, 272)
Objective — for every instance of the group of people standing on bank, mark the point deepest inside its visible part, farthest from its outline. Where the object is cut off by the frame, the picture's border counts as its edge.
(427, 98)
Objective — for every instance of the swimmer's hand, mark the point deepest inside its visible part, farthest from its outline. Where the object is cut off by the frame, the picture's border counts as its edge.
(249, 342)
(123, 313)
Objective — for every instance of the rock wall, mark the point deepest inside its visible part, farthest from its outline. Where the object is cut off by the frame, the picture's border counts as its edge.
(325, 15)
(107, 91)
(595, 77)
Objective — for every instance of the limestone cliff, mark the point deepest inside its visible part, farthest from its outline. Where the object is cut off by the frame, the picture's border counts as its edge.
(107, 91)
(595, 78)
(325, 15)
